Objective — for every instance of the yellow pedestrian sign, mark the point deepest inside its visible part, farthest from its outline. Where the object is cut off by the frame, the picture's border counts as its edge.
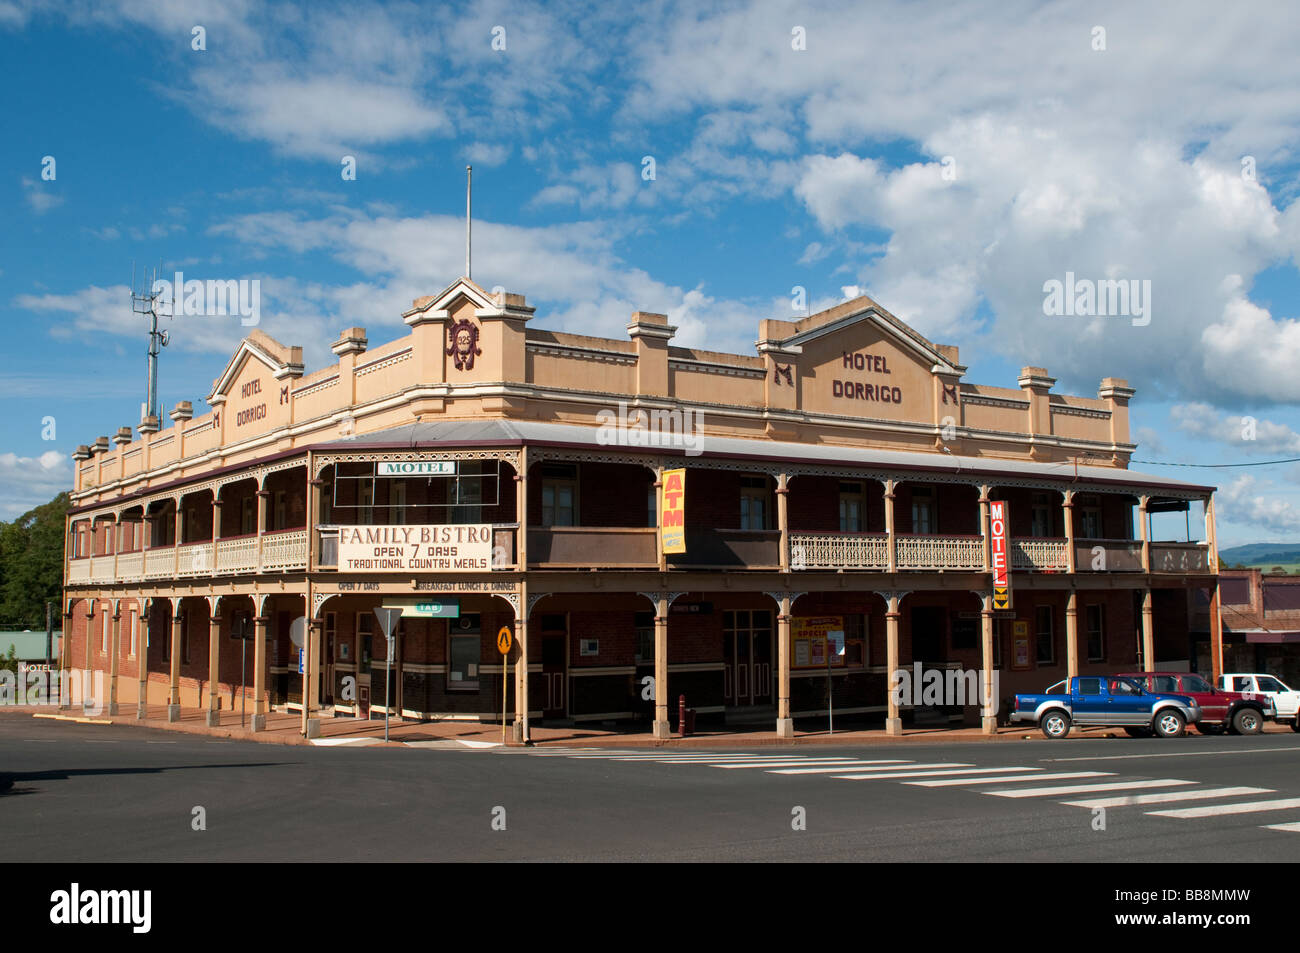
(503, 640)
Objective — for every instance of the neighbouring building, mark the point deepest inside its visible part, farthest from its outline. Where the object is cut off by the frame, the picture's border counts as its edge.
(832, 525)
(1261, 624)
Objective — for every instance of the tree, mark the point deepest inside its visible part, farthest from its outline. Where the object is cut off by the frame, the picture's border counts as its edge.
(31, 564)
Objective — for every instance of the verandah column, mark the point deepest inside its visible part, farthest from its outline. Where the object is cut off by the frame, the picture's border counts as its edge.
(86, 678)
(1216, 607)
(783, 519)
(1072, 633)
(65, 661)
(661, 727)
(114, 647)
(522, 734)
(260, 625)
(1067, 507)
(143, 620)
(893, 723)
(784, 723)
(214, 661)
(174, 695)
(988, 720)
(1148, 633)
(892, 555)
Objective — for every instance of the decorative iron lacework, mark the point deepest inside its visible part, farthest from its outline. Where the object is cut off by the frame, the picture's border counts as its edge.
(325, 459)
(382, 363)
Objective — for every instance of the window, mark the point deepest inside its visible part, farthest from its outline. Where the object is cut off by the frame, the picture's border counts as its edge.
(652, 505)
(851, 497)
(856, 640)
(1041, 515)
(366, 513)
(365, 629)
(185, 636)
(560, 494)
(1267, 683)
(644, 625)
(248, 516)
(134, 622)
(923, 510)
(1166, 683)
(1089, 518)
(397, 501)
(281, 509)
(1095, 617)
(468, 487)
(464, 649)
(1090, 686)
(1043, 627)
(753, 502)
(1122, 686)
(103, 638)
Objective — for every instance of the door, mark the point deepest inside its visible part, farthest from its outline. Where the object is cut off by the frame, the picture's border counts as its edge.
(929, 631)
(555, 668)
(363, 700)
(747, 658)
(1127, 703)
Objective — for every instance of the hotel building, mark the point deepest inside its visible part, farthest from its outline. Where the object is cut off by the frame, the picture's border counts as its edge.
(482, 473)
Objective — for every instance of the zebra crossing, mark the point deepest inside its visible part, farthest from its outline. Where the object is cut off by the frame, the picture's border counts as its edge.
(1157, 797)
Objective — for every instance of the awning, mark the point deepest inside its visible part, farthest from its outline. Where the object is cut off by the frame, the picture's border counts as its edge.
(703, 446)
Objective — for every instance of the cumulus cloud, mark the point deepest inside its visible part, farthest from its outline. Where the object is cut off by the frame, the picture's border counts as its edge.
(26, 482)
(1243, 502)
(1245, 432)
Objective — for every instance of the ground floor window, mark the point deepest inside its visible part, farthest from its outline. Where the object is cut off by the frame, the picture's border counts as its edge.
(1095, 616)
(1046, 636)
(644, 625)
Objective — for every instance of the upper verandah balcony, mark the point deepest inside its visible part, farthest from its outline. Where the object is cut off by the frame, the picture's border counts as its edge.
(593, 504)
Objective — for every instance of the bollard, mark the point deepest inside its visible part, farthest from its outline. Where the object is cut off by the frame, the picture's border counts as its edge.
(681, 715)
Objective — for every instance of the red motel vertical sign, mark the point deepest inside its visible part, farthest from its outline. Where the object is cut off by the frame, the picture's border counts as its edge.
(1000, 554)
(672, 511)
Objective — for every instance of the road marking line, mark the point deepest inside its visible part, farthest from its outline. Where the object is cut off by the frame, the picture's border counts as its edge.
(1085, 788)
(1248, 807)
(700, 759)
(1198, 795)
(829, 762)
(886, 776)
(1281, 827)
(795, 767)
(1174, 754)
(478, 744)
(1063, 776)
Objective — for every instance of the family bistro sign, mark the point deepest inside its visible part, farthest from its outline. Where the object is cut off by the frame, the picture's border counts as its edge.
(433, 548)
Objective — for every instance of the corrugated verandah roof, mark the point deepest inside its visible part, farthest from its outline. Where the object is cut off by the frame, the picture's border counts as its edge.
(418, 436)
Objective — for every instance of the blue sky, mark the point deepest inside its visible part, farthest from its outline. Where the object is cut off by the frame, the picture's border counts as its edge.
(946, 159)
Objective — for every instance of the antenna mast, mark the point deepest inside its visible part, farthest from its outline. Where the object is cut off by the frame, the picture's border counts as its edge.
(469, 171)
(145, 301)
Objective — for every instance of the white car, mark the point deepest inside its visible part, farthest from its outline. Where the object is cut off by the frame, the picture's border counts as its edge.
(1286, 702)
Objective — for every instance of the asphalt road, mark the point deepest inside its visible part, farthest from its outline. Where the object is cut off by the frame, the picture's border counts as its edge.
(86, 793)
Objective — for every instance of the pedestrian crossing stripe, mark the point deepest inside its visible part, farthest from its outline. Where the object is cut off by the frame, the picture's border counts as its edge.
(1062, 776)
(1214, 810)
(1200, 794)
(1086, 788)
(920, 774)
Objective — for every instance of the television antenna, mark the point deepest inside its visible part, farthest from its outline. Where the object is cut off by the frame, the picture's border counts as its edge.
(145, 301)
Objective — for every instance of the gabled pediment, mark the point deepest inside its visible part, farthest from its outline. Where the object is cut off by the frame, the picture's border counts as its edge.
(280, 359)
(849, 319)
(454, 296)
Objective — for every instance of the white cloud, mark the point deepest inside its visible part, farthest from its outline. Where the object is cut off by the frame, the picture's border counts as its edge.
(40, 195)
(1244, 432)
(1242, 502)
(26, 482)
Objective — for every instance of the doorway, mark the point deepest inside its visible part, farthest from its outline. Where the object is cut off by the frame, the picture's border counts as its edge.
(555, 667)
(929, 631)
(747, 658)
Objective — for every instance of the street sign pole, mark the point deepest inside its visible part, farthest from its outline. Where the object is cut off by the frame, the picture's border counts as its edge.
(388, 622)
(243, 670)
(503, 646)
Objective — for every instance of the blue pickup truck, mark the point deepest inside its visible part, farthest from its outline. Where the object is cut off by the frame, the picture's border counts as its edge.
(1112, 700)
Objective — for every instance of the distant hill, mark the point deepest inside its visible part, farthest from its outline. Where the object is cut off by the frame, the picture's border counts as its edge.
(1264, 555)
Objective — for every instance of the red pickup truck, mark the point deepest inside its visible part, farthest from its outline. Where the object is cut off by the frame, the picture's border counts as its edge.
(1238, 712)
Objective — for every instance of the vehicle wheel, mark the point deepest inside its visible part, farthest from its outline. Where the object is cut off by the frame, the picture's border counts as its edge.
(1295, 725)
(1211, 729)
(1169, 724)
(1055, 724)
(1247, 721)
(1138, 732)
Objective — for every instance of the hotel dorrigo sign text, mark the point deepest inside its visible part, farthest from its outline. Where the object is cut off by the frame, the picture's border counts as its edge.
(437, 548)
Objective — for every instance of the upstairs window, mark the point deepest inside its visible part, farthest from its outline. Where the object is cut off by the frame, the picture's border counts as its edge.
(923, 510)
(560, 494)
(754, 507)
(851, 505)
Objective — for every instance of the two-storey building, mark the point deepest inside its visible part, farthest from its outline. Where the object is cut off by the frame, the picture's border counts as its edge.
(481, 473)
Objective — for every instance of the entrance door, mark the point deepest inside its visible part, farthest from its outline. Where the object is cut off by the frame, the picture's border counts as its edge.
(555, 668)
(929, 629)
(747, 658)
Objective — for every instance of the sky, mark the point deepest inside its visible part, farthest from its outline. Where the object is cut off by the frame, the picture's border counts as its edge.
(701, 160)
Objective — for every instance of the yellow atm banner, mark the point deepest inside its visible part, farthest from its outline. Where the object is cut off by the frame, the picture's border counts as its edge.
(672, 511)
